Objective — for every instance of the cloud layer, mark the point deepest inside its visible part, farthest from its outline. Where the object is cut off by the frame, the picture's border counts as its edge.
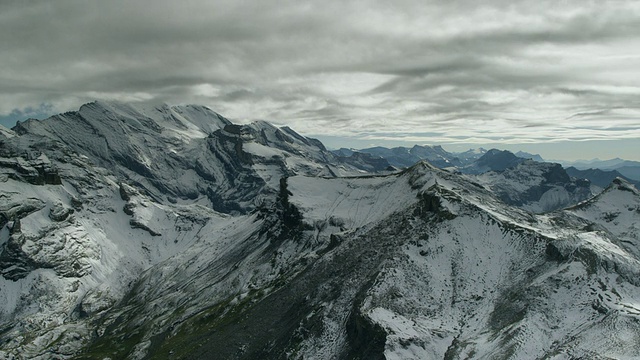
(416, 71)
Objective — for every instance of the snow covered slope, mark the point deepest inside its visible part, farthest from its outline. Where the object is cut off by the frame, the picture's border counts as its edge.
(532, 185)
(409, 266)
(537, 187)
(616, 209)
(168, 232)
(187, 153)
(74, 239)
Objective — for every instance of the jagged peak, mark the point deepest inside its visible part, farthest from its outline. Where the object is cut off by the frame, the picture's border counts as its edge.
(419, 170)
(495, 151)
(621, 184)
(618, 190)
(269, 134)
(423, 165)
(497, 160)
(190, 121)
(422, 147)
(259, 129)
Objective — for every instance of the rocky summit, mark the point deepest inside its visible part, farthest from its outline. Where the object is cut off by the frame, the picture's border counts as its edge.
(168, 232)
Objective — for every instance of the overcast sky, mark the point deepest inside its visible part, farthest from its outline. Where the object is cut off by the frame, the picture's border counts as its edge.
(355, 74)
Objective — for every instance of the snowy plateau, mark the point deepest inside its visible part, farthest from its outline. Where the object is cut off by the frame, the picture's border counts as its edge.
(168, 232)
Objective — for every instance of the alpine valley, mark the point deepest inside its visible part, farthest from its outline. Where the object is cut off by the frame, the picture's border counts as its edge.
(168, 232)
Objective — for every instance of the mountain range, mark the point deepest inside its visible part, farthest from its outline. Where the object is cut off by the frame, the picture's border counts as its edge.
(478, 161)
(629, 169)
(168, 232)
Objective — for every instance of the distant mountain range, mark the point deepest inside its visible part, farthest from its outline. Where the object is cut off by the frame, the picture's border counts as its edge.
(598, 177)
(402, 157)
(628, 168)
(478, 161)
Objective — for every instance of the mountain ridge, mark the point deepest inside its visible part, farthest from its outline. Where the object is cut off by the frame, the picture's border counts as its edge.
(192, 239)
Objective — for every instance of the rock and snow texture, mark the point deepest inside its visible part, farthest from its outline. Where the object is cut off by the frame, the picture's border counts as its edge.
(617, 211)
(493, 160)
(537, 187)
(186, 153)
(169, 232)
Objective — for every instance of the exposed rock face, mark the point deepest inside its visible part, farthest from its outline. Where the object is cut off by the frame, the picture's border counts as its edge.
(59, 212)
(66, 250)
(188, 152)
(14, 207)
(14, 263)
(173, 233)
(538, 187)
(38, 171)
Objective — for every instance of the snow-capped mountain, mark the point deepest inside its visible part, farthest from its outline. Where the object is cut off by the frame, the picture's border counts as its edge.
(178, 153)
(471, 161)
(617, 210)
(169, 232)
(535, 186)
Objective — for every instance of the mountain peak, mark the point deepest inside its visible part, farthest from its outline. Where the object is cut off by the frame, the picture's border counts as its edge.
(616, 195)
(498, 160)
(623, 185)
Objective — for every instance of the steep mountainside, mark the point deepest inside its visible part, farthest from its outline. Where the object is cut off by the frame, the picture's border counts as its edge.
(601, 178)
(616, 209)
(537, 187)
(132, 232)
(185, 153)
(493, 160)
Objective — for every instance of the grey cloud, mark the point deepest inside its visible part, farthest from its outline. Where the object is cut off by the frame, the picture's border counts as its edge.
(425, 65)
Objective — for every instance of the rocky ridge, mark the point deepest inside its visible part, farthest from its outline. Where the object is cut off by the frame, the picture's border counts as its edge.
(169, 232)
